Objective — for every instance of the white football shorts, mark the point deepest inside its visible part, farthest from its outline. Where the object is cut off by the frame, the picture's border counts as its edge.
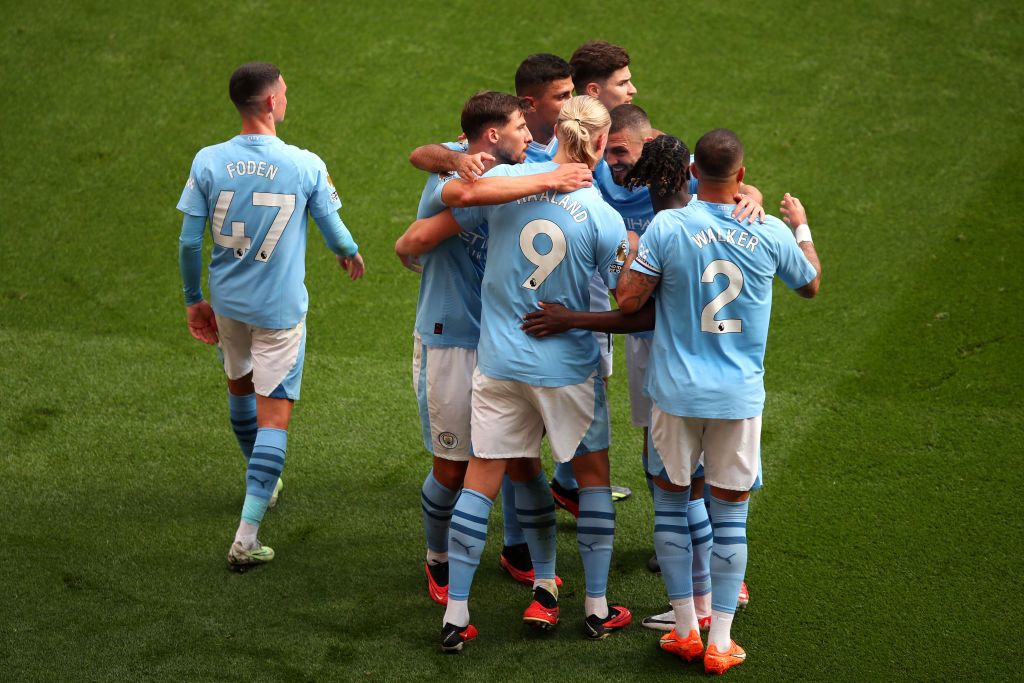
(509, 418)
(274, 357)
(731, 449)
(638, 353)
(443, 379)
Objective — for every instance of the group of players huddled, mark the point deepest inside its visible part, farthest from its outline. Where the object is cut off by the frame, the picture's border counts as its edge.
(517, 251)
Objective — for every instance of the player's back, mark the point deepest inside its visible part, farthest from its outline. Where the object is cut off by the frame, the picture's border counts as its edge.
(713, 307)
(545, 247)
(256, 191)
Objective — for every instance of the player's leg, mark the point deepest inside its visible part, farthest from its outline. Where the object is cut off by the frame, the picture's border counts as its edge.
(536, 510)
(576, 418)
(277, 360)
(467, 535)
(443, 379)
(672, 455)
(730, 462)
(242, 411)
(700, 537)
(503, 426)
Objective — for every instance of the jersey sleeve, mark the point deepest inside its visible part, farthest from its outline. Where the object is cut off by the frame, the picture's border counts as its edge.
(193, 200)
(472, 216)
(612, 247)
(323, 197)
(647, 259)
(792, 265)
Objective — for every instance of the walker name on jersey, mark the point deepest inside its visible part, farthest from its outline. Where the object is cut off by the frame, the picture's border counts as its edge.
(258, 168)
(575, 209)
(743, 240)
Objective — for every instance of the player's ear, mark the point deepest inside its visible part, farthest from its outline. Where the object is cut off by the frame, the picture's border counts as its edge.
(740, 173)
(530, 102)
(593, 89)
(492, 135)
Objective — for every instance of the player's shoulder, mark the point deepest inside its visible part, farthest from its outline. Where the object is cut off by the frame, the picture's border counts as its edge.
(302, 157)
(773, 229)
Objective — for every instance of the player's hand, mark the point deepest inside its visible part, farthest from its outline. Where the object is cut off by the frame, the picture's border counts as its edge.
(411, 262)
(793, 211)
(471, 166)
(353, 264)
(571, 177)
(747, 209)
(202, 323)
(552, 318)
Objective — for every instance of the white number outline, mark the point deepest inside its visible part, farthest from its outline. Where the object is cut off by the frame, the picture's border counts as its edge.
(237, 242)
(708, 323)
(546, 263)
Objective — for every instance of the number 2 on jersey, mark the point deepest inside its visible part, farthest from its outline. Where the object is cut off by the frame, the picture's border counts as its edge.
(727, 296)
(237, 242)
(545, 263)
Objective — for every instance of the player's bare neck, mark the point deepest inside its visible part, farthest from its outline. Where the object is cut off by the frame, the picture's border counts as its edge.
(541, 135)
(258, 126)
(672, 201)
(717, 193)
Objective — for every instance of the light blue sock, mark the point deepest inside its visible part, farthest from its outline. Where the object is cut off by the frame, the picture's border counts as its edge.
(700, 537)
(437, 502)
(595, 531)
(467, 535)
(264, 469)
(513, 532)
(728, 554)
(672, 541)
(565, 476)
(242, 410)
(536, 509)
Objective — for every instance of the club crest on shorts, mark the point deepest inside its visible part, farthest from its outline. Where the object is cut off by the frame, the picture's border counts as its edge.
(448, 440)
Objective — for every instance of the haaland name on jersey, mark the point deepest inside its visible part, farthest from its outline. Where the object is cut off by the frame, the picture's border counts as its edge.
(745, 240)
(575, 209)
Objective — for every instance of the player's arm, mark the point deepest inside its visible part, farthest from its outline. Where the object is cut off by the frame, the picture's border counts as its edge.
(426, 233)
(554, 318)
(435, 158)
(339, 240)
(795, 216)
(201, 321)
(749, 204)
(501, 189)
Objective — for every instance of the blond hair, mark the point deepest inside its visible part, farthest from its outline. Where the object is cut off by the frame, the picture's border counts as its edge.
(581, 119)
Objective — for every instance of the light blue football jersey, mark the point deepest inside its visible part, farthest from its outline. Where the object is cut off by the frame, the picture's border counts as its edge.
(257, 191)
(633, 205)
(537, 153)
(713, 306)
(545, 247)
(448, 308)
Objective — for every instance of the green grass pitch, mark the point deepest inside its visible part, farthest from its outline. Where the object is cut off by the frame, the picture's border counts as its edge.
(886, 543)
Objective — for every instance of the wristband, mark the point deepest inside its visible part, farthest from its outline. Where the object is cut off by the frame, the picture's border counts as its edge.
(802, 233)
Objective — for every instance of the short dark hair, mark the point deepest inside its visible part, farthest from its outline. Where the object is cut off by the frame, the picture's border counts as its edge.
(664, 166)
(629, 117)
(718, 154)
(540, 69)
(250, 81)
(596, 60)
(488, 108)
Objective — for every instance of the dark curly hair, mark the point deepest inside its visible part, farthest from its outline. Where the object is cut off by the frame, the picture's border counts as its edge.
(664, 166)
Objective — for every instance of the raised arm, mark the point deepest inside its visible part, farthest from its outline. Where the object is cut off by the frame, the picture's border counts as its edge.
(426, 233)
(795, 216)
(435, 158)
(501, 189)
